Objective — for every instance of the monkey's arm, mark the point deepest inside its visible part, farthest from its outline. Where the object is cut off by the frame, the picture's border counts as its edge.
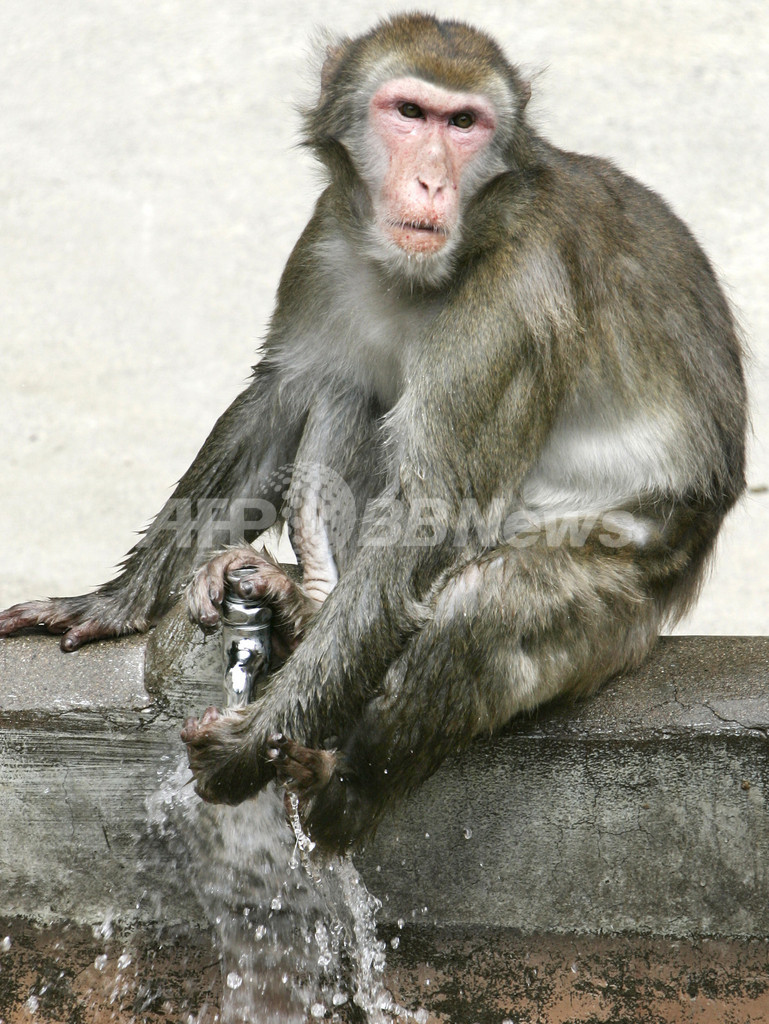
(256, 436)
(250, 440)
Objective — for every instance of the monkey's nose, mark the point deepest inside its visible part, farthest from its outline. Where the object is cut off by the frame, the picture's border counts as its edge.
(433, 186)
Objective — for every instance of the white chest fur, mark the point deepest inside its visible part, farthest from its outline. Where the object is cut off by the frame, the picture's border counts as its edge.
(371, 329)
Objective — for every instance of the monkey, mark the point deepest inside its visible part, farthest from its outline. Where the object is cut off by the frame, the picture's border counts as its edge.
(502, 409)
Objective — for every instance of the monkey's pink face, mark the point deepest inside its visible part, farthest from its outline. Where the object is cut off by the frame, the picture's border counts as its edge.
(431, 138)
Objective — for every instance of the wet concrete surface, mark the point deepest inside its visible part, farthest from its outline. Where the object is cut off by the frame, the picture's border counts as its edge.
(76, 975)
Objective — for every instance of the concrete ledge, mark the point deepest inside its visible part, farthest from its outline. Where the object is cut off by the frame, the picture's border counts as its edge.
(641, 810)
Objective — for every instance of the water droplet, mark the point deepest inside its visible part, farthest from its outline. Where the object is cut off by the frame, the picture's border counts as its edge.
(395, 942)
(467, 833)
(101, 962)
(339, 999)
(401, 922)
(6, 944)
(32, 1004)
(124, 962)
(276, 904)
(317, 1010)
(234, 980)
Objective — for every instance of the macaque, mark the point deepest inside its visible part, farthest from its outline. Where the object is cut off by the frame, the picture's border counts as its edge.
(501, 407)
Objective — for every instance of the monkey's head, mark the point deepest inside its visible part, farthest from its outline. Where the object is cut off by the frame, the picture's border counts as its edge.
(413, 120)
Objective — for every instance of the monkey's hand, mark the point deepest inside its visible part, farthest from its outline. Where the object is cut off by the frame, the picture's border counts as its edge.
(332, 807)
(292, 607)
(228, 765)
(80, 619)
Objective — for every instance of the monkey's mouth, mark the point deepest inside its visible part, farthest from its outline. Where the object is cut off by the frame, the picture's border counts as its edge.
(418, 236)
(421, 225)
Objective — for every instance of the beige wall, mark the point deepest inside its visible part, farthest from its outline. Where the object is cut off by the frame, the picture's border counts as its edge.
(150, 192)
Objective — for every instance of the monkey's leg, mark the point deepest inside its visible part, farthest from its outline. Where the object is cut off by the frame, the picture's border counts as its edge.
(331, 469)
(508, 632)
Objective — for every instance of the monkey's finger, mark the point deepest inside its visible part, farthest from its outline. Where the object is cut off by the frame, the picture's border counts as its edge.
(303, 770)
(204, 597)
(85, 633)
(279, 753)
(189, 730)
(205, 592)
(210, 715)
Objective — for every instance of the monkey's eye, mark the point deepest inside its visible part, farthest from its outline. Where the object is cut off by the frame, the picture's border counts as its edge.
(464, 119)
(410, 110)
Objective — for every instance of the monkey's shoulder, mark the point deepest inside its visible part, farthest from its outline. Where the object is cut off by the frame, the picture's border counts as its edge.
(583, 191)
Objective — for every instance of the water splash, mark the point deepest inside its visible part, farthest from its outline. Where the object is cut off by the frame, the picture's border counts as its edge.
(235, 860)
(351, 927)
(296, 930)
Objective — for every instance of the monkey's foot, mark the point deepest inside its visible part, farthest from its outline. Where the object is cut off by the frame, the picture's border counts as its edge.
(222, 758)
(302, 770)
(331, 806)
(77, 618)
(268, 583)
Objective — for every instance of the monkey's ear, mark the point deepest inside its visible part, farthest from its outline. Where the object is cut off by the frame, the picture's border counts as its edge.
(332, 62)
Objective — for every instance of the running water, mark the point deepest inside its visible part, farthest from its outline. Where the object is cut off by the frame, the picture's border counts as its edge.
(296, 931)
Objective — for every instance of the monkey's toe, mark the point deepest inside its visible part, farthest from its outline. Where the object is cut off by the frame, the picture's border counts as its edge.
(84, 633)
(21, 616)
